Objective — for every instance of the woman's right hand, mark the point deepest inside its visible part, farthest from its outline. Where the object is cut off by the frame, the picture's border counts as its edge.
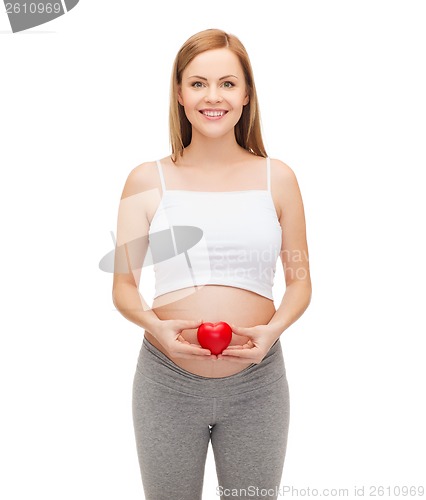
(168, 333)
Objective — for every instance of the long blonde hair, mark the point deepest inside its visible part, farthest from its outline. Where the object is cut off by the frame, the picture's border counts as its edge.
(247, 130)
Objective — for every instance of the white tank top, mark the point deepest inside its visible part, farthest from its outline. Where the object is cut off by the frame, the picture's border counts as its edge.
(230, 238)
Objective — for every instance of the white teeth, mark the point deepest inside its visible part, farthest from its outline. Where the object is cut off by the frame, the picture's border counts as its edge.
(213, 113)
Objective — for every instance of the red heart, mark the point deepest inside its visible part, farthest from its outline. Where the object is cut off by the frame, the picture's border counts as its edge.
(214, 336)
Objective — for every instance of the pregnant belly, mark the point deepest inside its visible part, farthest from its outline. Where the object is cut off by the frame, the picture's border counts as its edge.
(212, 303)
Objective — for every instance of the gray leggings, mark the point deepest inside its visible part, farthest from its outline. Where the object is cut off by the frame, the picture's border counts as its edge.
(176, 413)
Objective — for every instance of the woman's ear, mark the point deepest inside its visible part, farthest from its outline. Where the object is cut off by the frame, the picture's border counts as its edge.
(246, 100)
(179, 93)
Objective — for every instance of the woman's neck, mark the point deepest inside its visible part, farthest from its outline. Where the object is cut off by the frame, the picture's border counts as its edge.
(212, 154)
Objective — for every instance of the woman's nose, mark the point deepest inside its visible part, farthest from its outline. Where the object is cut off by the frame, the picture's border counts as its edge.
(213, 94)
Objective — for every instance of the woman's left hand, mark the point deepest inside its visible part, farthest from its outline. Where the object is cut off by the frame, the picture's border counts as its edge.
(255, 349)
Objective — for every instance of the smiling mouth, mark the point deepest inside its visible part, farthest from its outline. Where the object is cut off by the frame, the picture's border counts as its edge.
(213, 113)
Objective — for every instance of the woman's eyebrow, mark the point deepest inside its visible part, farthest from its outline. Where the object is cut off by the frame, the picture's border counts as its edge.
(202, 77)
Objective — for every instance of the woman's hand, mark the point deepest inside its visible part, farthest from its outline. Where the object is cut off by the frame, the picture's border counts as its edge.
(255, 349)
(168, 333)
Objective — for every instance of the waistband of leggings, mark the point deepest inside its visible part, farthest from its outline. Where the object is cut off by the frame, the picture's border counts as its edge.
(155, 365)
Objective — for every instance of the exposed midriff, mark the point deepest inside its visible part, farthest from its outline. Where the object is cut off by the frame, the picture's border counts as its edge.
(212, 303)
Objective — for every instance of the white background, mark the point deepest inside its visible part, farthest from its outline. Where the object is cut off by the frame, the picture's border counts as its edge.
(84, 99)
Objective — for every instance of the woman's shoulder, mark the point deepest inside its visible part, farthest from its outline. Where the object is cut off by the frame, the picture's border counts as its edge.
(277, 165)
(283, 180)
(141, 178)
(285, 187)
(281, 168)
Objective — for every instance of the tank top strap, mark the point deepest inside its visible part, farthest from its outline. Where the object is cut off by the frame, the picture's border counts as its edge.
(160, 172)
(268, 172)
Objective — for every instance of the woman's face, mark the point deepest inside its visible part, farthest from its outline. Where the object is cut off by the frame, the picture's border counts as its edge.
(213, 92)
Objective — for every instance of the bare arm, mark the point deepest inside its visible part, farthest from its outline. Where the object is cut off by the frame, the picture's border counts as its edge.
(131, 249)
(294, 254)
(139, 199)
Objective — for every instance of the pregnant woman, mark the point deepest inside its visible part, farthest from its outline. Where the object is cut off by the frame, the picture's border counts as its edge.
(246, 211)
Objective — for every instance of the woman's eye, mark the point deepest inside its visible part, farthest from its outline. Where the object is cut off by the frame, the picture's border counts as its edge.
(227, 84)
